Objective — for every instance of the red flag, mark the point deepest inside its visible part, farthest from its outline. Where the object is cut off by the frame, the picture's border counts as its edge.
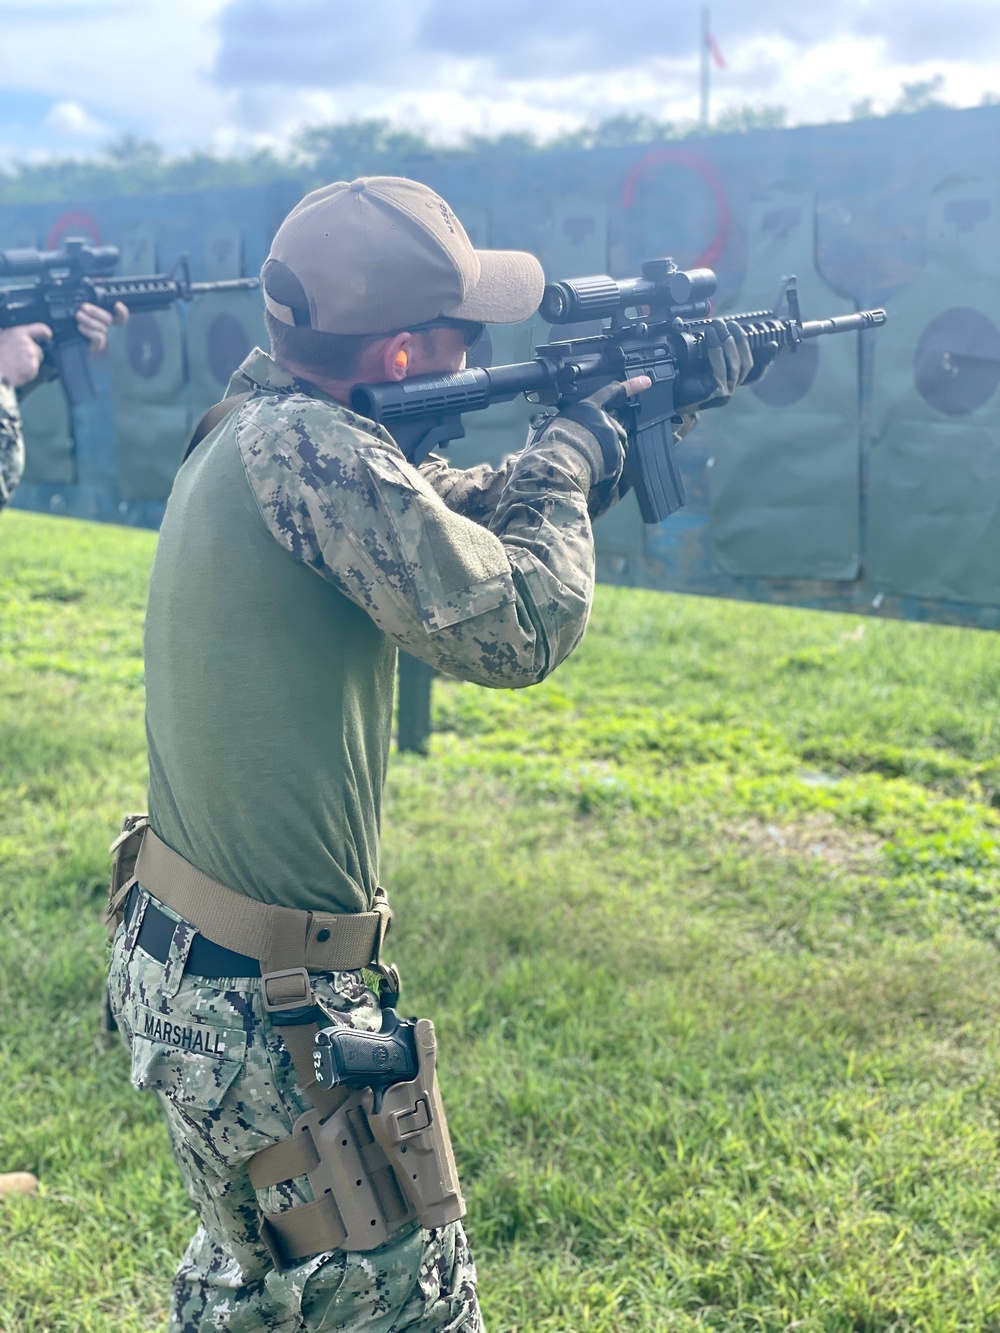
(714, 52)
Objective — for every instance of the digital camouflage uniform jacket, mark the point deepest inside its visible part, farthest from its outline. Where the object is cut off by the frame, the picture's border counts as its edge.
(11, 444)
(336, 491)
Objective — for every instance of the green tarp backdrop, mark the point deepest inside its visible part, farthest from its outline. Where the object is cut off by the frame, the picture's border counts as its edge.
(862, 474)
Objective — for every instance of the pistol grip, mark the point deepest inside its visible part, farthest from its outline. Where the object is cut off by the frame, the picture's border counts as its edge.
(70, 355)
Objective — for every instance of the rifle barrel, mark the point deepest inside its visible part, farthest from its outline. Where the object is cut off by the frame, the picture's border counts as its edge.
(155, 292)
(762, 328)
(864, 319)
(224, 285)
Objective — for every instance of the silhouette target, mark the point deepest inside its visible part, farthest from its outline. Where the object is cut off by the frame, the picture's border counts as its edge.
(956, 366)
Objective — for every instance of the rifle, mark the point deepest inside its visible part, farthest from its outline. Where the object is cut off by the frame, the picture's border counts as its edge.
(60, 281)
(657, 328)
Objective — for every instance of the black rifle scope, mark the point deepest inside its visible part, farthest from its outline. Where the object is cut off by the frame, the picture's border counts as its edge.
(75, 254)
(663, 287)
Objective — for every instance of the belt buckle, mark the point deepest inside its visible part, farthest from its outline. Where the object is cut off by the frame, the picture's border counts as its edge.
(291, 1004)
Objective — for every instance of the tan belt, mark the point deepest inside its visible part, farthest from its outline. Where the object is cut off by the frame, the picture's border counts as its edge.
(287, 942)
(280, 937)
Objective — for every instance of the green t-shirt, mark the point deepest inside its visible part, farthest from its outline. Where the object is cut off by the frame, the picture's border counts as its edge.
(269, 702)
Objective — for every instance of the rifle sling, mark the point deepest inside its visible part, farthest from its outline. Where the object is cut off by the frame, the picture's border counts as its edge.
(211, 419)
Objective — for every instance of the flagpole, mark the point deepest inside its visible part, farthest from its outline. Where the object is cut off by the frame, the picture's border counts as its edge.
(705, 30)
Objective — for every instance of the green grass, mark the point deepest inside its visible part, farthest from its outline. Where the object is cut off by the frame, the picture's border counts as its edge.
(707, 924)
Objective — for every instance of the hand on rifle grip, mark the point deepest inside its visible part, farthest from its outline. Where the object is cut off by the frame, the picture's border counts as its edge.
(603, 438)
(93, 323)
(20, 353)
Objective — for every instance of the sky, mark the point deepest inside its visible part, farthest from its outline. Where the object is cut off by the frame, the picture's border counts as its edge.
(233, 75)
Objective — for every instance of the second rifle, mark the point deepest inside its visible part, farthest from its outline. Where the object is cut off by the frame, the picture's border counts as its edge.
(49, 286)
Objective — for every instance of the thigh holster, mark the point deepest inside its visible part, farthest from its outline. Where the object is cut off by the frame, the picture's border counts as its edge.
(371, 1172)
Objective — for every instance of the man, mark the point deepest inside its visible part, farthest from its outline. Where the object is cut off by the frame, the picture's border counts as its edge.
(21, 356)
(298, 551)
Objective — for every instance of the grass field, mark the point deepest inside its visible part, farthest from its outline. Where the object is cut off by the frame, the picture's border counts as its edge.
(707, 924)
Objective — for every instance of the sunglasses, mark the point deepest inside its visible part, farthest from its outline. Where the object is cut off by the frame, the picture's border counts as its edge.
(470, 331)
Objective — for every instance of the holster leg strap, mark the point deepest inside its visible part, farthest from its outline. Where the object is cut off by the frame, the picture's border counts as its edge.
(358, 1204)
(297, 1233)
(295, 1156)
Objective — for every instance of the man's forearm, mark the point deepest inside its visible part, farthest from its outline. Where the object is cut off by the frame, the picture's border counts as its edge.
(473, 492)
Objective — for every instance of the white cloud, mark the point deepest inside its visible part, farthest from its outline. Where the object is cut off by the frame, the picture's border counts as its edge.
(147, 64)
(431, 66)
(72, 118)
(232, 75)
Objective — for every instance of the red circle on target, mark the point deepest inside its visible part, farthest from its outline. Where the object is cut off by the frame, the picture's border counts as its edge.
(73, 223)
(701, 167)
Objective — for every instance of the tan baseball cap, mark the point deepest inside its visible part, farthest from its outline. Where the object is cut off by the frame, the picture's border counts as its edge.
(382, 254)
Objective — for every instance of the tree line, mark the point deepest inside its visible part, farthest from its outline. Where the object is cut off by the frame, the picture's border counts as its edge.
(322, 153)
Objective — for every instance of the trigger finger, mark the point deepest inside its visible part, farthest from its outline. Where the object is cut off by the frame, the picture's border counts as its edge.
(607, 393)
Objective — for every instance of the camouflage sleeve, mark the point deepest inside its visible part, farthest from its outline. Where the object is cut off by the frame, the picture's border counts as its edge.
(11, 444)
(500, 605)
(473, 491)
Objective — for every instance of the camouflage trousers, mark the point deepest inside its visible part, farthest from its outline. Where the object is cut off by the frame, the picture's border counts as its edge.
(229, 1088)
